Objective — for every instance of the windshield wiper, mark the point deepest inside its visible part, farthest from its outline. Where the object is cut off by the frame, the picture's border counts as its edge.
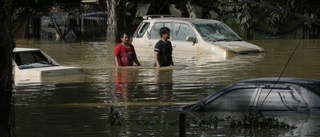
(228, 40)
(222, 40)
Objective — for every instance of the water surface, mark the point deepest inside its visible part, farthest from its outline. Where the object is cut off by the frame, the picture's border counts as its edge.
(139, 94)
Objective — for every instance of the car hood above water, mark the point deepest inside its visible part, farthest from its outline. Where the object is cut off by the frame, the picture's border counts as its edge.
(239, 47)
(57, 70)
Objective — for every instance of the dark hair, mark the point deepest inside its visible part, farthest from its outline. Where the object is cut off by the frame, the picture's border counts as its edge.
(124, 33)
(164, 30)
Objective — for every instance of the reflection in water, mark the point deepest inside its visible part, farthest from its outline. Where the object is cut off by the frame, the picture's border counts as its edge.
(125, 78)
(81, 109)
(163, 83)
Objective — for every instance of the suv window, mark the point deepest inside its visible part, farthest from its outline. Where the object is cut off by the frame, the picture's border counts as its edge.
(141, 30)
(181, 31)
(154, 34)
(284, 99)
(235, 100)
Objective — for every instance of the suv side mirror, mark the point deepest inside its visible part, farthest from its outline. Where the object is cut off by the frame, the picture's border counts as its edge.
(192, 39)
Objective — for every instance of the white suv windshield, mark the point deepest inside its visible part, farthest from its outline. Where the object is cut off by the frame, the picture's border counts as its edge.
(216, 32)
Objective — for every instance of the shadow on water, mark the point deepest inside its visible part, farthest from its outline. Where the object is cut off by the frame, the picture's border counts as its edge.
(138, 93)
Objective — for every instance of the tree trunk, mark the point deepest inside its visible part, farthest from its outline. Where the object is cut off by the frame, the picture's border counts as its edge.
(6, 76)
(116, 19)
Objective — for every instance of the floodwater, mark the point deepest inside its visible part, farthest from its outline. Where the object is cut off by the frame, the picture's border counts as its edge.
(81, 107)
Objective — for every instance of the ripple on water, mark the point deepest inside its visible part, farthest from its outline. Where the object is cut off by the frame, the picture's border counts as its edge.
(139, 93)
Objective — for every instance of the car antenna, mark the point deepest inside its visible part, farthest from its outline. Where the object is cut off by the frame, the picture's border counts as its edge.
(281, 73)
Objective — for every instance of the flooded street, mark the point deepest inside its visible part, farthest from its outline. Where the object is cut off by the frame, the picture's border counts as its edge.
(81, 107)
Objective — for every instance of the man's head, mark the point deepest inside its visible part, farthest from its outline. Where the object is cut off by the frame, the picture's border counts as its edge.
(164, 32)
(125, 37)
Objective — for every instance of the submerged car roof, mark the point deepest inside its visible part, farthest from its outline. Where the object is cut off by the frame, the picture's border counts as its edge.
(307, 83)
(312, 85)
(279, 80)
(24, 49)
(191, 20)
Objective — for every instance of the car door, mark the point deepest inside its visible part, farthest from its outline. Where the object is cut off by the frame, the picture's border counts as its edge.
(281, 99)
(179, 36)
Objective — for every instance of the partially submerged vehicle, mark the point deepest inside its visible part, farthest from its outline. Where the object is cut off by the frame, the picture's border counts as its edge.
(264, 94)
(192, 35)
(32, 65)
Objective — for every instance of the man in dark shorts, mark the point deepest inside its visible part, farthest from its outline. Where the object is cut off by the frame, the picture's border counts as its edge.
(163, 49)
(124, 53)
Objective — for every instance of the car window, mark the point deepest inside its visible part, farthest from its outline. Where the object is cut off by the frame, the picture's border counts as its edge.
(311, 97)
(31, 57)
(141, 30)
(181, 31)
(154, 34)
(38, 56)
(25, 58)
(234, 100)
(284, 99)
(216, 32)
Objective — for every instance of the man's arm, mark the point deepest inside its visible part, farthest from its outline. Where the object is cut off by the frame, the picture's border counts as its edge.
(136, 61)
(117, 60)
(156, 59)
(172, 62)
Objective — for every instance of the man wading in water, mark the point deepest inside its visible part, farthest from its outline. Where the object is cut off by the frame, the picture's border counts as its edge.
(163, 49)
(124, 53)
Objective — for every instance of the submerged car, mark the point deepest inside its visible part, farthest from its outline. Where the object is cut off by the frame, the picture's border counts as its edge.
(263, 94)
(32, 65)
(193, 35)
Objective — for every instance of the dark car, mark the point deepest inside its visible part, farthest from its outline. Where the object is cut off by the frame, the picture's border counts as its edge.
(264, 94)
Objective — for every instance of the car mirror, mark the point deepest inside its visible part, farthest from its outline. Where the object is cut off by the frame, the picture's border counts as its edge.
(190, 38)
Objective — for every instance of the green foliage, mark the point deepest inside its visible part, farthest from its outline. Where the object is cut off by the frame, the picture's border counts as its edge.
(24, 8)
(7, 6)
(250, 120)
(272, 15)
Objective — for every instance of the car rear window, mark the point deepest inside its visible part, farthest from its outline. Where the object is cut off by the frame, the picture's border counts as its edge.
(31, 59)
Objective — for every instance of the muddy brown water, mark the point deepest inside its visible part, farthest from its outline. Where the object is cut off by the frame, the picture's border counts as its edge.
(81, 107)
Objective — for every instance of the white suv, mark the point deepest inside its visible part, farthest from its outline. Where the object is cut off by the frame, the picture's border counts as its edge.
(193, 35)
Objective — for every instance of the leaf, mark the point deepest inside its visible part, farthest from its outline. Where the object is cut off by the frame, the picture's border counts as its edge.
(292, 3)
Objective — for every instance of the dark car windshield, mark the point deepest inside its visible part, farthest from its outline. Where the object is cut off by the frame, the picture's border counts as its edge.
(31, 59)
(216, 32)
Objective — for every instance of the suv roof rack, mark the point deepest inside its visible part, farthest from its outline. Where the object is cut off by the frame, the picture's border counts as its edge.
(146, 17)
